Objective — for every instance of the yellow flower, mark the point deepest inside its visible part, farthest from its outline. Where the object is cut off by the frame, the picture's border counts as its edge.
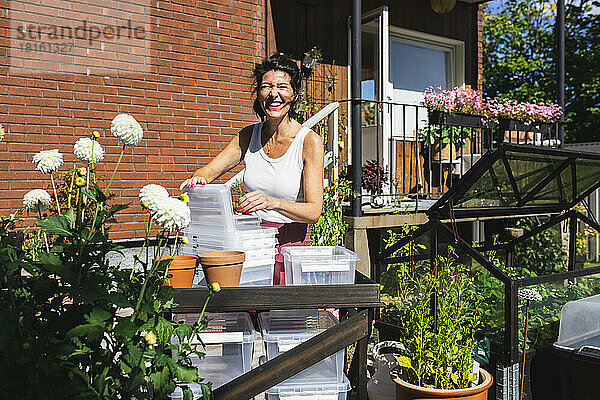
(184, 197)
(215, 287)
(80, 181)
(96, 134)
(150, 338)
(184, 240)
(82, 171)
(145, 204)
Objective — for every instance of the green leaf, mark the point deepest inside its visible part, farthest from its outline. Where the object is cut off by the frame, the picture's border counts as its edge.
(50, 259)
(187, 374)
(89, 194)
(57, 224)
(70, 216)
(98, 316)
(99, 194)
(164, 330)
(404, 362)
(125, 328)
(89, 331)
(187, 393)
(160, 378)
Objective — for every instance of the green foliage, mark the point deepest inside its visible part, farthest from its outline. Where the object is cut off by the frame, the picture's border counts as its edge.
(330, 229)
(542, 254)
(238, 190)
(519, 61)
(434, 356)
(74, 326)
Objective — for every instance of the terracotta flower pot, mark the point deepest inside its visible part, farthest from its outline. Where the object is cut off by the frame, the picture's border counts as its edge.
(181, 271)
(223, 267)
(407, 391)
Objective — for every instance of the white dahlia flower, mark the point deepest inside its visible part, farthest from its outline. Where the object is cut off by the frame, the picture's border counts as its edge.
(88, 151)
(171, 214)
(48, 161)
(151, 193)
(127, 129)
(36, 200)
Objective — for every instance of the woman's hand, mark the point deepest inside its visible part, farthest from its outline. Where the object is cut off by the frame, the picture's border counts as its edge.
(193, 181)
(255, 201)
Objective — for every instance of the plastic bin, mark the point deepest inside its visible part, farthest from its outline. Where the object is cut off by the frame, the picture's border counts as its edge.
(328, 391)
(258, 272)
(578, 349)
(229, 343)
(283, 330)
(211, 208)
(318, 265)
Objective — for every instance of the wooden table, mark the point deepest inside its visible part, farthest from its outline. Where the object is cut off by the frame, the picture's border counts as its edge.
(356, 302)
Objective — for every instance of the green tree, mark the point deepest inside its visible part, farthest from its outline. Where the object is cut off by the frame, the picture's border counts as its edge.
(519, 58)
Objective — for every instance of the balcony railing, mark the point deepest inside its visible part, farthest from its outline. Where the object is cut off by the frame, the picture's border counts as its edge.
(422, 154)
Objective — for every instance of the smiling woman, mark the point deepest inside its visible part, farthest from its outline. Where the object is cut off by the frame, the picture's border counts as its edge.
(283, 159)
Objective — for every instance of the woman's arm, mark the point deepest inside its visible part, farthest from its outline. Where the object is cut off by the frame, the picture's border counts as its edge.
(231, 156)
(312, 176)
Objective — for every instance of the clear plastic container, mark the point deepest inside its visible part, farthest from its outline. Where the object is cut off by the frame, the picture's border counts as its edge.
(246, 222)
(211, 207)
(318, 265)
(258, 272)
(580, 324)
(311, 391)
(228, 345)
(283, 330)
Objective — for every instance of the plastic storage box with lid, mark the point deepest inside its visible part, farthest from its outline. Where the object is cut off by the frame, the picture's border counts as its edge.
(229, 344)
(318, 265)
(283, 330)
(310, 391)
(211, 208)
(578, 349)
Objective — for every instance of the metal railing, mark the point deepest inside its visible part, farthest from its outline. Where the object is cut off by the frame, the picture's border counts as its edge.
(422, 159)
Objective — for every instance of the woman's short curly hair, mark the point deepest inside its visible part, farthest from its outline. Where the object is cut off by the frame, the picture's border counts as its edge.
(276, 62)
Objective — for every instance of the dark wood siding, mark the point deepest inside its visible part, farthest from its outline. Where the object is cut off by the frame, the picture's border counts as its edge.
(301, 24)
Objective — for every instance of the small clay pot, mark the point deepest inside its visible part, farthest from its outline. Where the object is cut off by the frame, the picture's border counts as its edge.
(223, 267)
(181, 271)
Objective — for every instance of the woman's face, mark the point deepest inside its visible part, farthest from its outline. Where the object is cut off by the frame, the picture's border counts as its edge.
(275, 94)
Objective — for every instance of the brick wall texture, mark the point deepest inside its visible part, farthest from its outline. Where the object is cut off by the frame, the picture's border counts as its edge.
(193, 97)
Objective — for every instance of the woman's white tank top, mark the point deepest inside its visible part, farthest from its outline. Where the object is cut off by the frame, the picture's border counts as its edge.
(276, 177)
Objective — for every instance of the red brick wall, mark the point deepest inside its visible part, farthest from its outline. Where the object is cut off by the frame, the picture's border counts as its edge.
(195, 97)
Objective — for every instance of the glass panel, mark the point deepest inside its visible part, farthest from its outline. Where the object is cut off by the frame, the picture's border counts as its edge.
(414, 67)
(544, 315)
(587, 174)
(530, 169)
(541, 254)
(566, 182)
(493, 189)
(491, 305)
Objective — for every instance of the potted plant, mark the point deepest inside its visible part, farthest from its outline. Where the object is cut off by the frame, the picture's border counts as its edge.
(460, 106)
(373, 178)
(520, 121)
(76, 323)
(439, 309)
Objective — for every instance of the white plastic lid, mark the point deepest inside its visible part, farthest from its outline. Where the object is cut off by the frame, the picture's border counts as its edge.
(580, 324)
(232, 327)
(294, 324)
(300, 391)
(333, 252)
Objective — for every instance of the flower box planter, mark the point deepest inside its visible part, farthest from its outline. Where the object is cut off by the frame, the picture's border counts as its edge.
(505, 124)
(437, 117)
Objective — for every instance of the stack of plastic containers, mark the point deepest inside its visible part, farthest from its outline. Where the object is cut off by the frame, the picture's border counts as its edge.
(214, 227)
(318, 265)
(228, 345)
(283, 330)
